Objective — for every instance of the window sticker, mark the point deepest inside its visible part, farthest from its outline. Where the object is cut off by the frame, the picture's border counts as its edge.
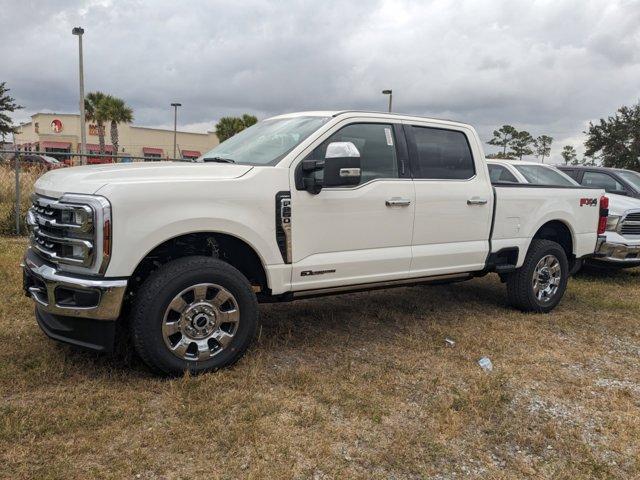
(387, 133)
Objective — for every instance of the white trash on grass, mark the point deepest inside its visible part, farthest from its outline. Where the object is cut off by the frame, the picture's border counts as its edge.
(486, 364)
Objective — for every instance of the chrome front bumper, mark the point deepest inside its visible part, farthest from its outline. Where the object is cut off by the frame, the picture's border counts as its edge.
(59, 294)
(617, 252)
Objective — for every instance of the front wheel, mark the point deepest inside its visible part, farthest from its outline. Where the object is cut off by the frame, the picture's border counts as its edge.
(193, 314)
(538, 286)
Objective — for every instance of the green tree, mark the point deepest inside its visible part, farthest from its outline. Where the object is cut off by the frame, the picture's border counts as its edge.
(227, 127)
(521, 145)
(616, 139)
(542, 146)
(503, 137)
(95, 108)
(569, 154)
(499, 155)
(117, 111)
(7, 104)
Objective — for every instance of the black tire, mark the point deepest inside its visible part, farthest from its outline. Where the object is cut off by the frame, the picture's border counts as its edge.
(520, 290)
(154, 296)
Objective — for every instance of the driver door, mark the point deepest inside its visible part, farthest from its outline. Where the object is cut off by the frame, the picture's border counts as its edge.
(361, 233)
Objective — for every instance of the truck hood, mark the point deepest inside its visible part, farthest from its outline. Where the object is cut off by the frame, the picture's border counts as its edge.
(89, 179)
(618, 204)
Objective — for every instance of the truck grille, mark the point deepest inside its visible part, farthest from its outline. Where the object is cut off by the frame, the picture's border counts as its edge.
(630, 225)
(62, 232)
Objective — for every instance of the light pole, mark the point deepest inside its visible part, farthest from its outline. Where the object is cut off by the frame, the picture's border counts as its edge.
(83, 133)
(390, 93)
(175, 126)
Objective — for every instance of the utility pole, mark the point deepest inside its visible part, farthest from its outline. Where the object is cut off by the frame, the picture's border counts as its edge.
(175, 126)
(83, 133)
(390, 93)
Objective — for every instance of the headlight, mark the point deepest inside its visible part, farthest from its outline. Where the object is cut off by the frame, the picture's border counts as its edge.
(73, 232)
(612, 222)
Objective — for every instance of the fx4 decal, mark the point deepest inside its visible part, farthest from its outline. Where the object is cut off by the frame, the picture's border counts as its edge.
(589, 202)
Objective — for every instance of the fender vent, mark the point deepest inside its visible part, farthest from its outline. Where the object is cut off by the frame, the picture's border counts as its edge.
(283, 224)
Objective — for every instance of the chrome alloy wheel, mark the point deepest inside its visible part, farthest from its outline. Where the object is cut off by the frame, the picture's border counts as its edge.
(200, 322)
(546, 278)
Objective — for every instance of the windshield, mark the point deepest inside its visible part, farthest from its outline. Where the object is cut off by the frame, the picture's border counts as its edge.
(632, 177)
(543, 175)
(266, 142)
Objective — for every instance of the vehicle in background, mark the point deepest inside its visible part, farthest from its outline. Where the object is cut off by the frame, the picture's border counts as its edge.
(37, 162)
(295, 206)
(621, 247)
(613, 180)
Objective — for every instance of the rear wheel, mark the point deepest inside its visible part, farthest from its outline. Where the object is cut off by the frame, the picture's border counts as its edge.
(194, 314)
(538, 286)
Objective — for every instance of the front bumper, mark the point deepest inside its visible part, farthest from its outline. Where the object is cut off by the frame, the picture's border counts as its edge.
(619, 253)
(75, 310)
(60, 294)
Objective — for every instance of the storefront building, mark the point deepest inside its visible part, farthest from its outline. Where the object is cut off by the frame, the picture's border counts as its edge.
(59, 136)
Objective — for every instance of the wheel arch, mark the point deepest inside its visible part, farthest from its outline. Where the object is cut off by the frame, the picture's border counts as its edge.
(560, 232)
(232, 249)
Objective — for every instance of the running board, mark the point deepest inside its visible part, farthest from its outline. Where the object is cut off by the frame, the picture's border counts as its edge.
(452, 277)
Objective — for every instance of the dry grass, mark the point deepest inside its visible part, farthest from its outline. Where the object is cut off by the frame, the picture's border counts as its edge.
(8, 196)
(356, 386)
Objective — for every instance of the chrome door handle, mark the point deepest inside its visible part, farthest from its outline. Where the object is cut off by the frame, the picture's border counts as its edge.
(477, 201)
(398, 202)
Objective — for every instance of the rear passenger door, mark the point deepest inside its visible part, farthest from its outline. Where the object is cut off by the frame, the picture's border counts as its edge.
(454, 200)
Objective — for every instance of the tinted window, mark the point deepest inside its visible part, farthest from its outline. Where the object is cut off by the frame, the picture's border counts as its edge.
(601, 180)
(541, 175)
(498, 174)
(632, 177)
(443, 154)
(572, 173)
(376, 144)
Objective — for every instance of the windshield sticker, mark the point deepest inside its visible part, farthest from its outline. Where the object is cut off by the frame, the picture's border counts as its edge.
(387, 133)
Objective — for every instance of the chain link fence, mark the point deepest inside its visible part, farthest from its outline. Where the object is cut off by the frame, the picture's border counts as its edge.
(19, 171)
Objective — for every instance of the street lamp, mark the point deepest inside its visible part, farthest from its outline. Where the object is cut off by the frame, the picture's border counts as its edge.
(390, 93)
(175, 126)
(83, 134)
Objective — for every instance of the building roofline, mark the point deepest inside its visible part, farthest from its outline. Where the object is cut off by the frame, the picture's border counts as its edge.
(208, 132)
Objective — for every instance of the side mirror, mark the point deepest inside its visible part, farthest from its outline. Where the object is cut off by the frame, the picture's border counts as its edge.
(341, 167)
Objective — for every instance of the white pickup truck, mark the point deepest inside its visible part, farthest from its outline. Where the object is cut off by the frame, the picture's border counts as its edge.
(299, 205)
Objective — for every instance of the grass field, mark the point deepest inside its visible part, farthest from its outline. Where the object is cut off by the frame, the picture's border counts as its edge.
(356, 386)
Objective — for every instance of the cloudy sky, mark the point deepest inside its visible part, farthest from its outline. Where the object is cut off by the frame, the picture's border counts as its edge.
(545, 66)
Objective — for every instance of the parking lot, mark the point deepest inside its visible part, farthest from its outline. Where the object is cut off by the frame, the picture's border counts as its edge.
(355, 386)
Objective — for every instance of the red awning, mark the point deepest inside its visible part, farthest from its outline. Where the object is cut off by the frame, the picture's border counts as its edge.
(95, 148)
(55, 144)
(190, 153)
(154, 151)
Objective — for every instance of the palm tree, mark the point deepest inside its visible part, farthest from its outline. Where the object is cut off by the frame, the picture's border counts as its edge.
(227, 127)
(117, 111)
(94, 107)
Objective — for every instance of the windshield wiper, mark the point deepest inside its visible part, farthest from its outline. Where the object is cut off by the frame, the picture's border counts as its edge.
(218, 160)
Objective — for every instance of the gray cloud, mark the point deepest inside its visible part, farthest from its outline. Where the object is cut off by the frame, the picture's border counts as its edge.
(549, 67)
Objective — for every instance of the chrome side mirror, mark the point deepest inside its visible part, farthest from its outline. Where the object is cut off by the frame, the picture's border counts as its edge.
(341, 165)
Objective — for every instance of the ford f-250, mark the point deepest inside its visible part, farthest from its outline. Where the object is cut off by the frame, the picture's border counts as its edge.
(296, 206)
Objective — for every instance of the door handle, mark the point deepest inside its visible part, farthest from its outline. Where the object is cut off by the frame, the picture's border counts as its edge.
(477, 201)
(398, 202)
